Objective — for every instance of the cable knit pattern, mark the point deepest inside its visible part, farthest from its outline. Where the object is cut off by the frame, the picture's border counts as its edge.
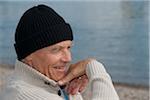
(28, 84)
(100, 82)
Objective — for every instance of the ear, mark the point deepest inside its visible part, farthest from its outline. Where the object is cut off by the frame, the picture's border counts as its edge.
(28, 60)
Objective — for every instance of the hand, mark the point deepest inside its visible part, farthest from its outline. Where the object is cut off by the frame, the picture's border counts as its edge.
(75, 70)
(77, 85)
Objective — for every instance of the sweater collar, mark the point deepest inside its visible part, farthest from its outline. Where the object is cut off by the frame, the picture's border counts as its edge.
(27, 73)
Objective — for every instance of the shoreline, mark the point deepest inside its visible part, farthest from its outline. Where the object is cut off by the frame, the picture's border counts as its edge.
(132, 92)
(124, 90)
(131, 85)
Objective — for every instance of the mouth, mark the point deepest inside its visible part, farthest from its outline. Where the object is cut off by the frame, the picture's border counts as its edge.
(60, 68)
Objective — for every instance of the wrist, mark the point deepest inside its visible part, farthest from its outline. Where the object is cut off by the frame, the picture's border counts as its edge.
(95, 69)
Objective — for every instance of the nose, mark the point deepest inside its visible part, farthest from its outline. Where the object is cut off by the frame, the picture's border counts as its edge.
(66, 56)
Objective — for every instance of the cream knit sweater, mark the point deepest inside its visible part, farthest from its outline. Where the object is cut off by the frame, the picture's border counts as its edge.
(28, 84)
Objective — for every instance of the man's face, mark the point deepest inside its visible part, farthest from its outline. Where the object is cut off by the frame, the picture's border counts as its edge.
(52, 61)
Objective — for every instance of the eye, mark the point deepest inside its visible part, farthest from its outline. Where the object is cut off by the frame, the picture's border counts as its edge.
(55, 49)
(69, 47)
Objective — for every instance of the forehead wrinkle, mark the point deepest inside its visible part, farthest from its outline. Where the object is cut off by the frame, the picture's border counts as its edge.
(62, 45)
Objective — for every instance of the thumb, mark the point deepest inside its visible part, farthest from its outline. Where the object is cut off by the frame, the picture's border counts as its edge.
(66, 79)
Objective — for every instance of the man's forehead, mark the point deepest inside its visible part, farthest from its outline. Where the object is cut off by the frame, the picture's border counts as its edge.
(63, 43)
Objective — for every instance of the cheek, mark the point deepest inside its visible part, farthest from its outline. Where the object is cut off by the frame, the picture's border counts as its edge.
(45, 63)
(52, 60)
(55, 74)
(46, 59)
(42, 61)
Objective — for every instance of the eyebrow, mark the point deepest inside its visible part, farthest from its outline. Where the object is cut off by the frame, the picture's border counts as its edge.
(63, 46)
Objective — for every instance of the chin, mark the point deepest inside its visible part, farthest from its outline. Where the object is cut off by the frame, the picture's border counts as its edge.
(57, 73)
(59, 77)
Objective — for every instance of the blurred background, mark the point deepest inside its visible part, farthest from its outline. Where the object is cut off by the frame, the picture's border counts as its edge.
(114, 32)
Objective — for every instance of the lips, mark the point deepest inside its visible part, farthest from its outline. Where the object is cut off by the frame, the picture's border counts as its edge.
(60, 68)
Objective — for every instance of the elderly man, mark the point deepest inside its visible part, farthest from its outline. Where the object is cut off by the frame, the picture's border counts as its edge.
(42, 72)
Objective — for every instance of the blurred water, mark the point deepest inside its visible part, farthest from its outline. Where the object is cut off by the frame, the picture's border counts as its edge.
(115, 33)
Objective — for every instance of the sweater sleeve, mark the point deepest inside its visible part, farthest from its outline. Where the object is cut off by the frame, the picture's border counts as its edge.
(100, 81)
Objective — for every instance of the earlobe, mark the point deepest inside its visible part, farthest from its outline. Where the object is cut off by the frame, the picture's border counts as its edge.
(28, 61)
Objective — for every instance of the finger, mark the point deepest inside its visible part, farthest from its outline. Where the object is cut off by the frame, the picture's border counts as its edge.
(67, 88)
(75, 87)
(83, 86)
(71, 85)
(75, 90)
(66, 79)
(84, 83)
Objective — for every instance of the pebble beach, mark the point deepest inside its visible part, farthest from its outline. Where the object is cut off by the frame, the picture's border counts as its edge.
(125, 91)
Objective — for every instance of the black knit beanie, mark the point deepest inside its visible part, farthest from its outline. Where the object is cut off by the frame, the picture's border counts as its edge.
(39, 27)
